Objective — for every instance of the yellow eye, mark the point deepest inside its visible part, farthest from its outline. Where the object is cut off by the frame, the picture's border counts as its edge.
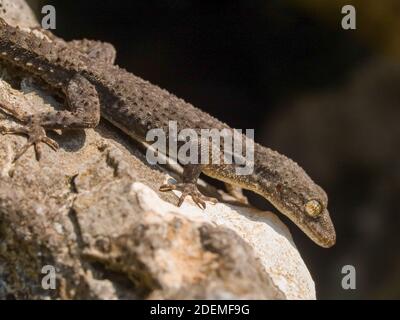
(313, 208)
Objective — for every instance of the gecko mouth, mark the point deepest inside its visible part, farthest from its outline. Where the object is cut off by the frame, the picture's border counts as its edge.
(326, 242)
(320, 230)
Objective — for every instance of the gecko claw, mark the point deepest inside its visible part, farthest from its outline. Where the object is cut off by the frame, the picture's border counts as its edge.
(167, 187)
(189, 189)
(36, 135)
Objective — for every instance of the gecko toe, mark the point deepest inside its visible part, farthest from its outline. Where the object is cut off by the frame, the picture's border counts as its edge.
(182, 198)
(22, 151)
(199, 201)
(5, 131)
(167, 187)
(51, 143)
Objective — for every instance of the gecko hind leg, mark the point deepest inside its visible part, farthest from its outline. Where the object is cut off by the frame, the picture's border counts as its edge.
(84, 105)
(237, 193)
(36, 135)
(189, 187)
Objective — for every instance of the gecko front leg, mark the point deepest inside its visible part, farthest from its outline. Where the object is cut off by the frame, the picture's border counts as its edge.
(84, 112)
(188, 187)
(101, 51)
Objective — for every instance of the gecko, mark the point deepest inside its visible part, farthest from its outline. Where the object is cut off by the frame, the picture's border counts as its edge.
(93, 87)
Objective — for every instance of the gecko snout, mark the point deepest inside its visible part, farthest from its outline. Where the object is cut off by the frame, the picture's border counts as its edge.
(321, 230)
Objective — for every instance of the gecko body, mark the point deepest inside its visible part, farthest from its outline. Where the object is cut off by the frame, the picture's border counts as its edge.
(93, 87)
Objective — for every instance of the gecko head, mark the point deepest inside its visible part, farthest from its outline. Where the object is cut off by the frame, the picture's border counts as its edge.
(316, 222)
(295, 195)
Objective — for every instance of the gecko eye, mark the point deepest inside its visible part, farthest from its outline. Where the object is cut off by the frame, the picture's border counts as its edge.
(313, 208)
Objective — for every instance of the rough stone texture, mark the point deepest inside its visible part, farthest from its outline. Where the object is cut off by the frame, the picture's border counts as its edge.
(17, 12)
(91, 211)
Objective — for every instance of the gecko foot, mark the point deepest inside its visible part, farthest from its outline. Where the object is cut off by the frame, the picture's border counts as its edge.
(36, 135)
(189, 189)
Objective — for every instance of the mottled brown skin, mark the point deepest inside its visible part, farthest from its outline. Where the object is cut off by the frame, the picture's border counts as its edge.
(83, 72)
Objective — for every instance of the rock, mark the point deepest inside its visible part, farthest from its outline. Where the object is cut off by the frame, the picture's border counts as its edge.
(92, 212)
(18, 13)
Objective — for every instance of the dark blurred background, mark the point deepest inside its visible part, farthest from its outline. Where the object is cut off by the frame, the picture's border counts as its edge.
(327, 97)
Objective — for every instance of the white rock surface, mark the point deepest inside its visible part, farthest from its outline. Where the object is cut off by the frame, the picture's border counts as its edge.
(263, 231)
